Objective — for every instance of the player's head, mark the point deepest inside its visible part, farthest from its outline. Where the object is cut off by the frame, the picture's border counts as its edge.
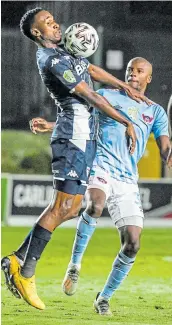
(138, 73)
(39, 25)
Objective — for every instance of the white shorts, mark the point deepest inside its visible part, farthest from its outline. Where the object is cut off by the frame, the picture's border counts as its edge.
(123, 199)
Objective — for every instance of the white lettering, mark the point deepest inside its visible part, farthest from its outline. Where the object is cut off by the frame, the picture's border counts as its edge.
(80, 68)
(32, 195)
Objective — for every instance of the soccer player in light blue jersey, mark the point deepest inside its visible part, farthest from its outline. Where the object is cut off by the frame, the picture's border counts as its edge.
(114, 178)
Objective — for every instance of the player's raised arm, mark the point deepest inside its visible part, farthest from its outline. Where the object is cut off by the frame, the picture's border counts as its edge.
(101, 75)
(83, 90)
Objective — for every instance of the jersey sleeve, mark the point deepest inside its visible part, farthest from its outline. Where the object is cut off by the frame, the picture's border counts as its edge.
(62, 69)
(160, 126)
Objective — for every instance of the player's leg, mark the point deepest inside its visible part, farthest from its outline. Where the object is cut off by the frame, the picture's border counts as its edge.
(65, 205)
(128, 218)
(95, 200)
(86, 225)
(62, 207)
(124, 261)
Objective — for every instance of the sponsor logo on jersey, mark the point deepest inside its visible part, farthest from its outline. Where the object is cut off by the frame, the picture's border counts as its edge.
(147, 119)
(80, 68)
(102, 180)
(54, 62)
(68, 76)
(72, 173)
(132, 112)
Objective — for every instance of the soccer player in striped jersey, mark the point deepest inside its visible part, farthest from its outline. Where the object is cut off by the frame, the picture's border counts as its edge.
(73, 142)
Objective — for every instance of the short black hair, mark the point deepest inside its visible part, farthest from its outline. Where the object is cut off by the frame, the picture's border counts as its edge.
(26, 22)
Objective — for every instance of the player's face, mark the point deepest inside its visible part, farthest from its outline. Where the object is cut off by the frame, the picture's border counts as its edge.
(138, 74)
(45, 28)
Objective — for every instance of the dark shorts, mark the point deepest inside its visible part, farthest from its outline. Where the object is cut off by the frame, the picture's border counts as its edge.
(71, 164)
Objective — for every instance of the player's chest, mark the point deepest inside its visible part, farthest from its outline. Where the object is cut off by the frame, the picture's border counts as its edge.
(139, 114)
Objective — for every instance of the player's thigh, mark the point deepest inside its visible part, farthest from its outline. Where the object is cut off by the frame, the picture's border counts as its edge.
(71, 164)
(124, 205)
(72, 159)
(95, 201)
(97, 191)
(64, 204)
(99, 179)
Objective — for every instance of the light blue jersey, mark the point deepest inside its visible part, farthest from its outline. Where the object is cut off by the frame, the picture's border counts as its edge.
(112, 150)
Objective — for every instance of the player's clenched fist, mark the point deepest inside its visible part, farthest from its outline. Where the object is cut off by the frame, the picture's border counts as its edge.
(40, 125)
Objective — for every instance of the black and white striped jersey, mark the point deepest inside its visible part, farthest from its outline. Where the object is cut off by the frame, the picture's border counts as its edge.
(61, 72)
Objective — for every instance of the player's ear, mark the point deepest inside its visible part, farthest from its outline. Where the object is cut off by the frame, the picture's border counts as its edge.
(35, 32)
(149, 79)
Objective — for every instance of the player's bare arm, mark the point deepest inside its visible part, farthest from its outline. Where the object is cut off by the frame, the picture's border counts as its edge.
(83, 90)
(165, 148)
(101, 75)
(40, 125)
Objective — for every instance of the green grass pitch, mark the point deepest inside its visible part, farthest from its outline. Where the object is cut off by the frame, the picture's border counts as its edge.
(144, 298)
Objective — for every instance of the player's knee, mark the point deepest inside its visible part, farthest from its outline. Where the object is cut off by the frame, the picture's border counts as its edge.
(131, 247)
(74, 211)
(94, 209)
(65, 213)
(70, 213)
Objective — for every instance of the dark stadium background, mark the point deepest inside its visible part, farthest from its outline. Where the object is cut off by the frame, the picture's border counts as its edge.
(137, 28)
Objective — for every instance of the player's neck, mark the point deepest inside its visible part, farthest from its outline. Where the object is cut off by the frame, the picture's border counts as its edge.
(141, 91)
(47, 44)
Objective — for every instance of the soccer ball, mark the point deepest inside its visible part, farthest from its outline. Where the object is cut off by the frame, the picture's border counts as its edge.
(81, 39)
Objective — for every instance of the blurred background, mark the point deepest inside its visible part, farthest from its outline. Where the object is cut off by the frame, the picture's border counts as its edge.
(126, 29)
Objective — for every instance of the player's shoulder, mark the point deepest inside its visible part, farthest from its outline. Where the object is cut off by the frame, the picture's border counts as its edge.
(52, 56)
(157, 108)
(85, 60)
(157, 112)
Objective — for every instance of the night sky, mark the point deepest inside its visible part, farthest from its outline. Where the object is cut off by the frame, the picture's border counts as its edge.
(12, 11)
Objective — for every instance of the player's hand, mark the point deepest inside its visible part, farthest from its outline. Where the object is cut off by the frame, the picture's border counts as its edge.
(39, 125)
(138, 97)
(131, 135)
